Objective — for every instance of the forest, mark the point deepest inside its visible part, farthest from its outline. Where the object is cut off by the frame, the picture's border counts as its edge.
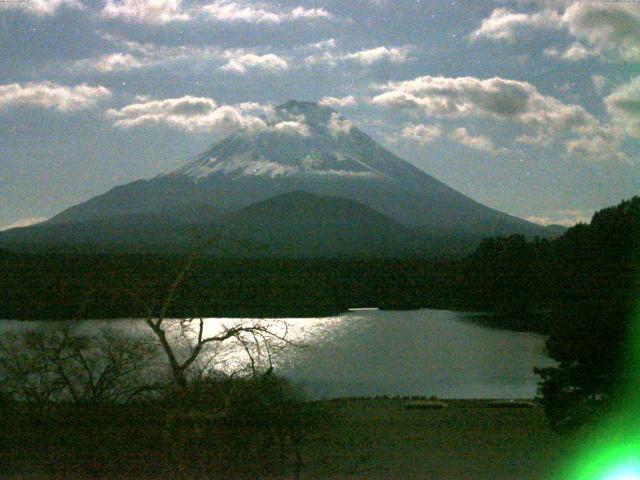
(580, 289)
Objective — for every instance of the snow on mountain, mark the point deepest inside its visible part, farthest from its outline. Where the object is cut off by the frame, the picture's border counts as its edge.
(307, 147)
(298, 140)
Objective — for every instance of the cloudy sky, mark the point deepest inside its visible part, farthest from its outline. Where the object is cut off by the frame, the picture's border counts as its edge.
(529, 106)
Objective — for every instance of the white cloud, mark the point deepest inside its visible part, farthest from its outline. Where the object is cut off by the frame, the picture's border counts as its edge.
(575, 52)
(123, 43)
(504, 24)
(292, 128)
(112, 62)
(192, 114)
(501, 99)
(323, 44)
(135, 55)
(151, 12)
(544, 221)
(224, 11)
(325, 58)
(339, 125)
(243, 62)
(40, 7)
(567, 218)
(578, 51)
(301, 12)
(147, 55)
(117, 62)
(52, 95)
(335, 102)
(609, 30)
(470, 96)
(248, 12)
(537, 138)
(363, 57)
(599, 82)
(202, 114)
(623, 104)
(23, 222)
(419, 133)
(479, 142)
(379, 54)
(603, 144)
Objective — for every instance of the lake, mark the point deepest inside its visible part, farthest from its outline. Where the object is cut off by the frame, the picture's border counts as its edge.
(420, 352)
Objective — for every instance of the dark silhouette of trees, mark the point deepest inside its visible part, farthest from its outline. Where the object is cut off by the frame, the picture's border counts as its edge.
(92, 383)
(59, 363)
(246, 397)
(511, 278)
(596, 269)
(581, 289)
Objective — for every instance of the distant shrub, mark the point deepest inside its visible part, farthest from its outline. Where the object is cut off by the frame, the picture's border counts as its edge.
(6, 407)
(425, 405)
(263, 417)
(511, 404)
(210, 393)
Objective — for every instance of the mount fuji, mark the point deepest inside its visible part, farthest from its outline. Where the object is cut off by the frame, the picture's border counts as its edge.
(286, 168)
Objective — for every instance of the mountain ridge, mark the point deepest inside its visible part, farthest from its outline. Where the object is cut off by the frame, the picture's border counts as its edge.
(302, 147)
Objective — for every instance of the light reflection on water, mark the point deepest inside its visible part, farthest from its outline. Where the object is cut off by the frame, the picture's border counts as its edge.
(421, 352)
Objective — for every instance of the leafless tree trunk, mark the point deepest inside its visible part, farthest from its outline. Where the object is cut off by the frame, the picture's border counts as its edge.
(257, 338)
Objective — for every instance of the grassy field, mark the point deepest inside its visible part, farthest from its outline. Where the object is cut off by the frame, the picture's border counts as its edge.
(381, 439)
(354, 438)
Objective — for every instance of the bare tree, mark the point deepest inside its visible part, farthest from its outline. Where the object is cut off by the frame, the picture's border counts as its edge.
(59, 363)
(222, 373)
(184, 340)
(225, 396)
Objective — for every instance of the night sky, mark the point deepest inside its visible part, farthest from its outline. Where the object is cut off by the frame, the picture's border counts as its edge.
(531, 107)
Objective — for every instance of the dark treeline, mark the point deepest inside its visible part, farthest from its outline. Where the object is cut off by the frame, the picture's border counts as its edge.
(519, 283)
(592, 266)
(63, 286)
(582, 289)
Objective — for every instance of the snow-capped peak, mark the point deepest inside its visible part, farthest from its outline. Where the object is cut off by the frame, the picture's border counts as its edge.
(298, 139)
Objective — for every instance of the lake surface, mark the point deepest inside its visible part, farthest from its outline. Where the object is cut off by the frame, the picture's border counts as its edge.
(421, 352)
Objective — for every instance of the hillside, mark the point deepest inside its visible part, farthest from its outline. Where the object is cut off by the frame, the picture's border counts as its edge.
(302, 147)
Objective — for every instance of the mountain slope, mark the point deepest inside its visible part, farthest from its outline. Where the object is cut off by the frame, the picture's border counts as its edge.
(297, 224)
(304, 224)
(301, 147)
(152, 232)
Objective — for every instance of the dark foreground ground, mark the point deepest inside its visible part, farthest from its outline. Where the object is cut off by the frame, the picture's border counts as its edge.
(357, 438)
(381, 439)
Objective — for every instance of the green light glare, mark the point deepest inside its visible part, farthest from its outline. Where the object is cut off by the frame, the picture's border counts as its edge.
(608, 463)
(612, 448)
(624, 473)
